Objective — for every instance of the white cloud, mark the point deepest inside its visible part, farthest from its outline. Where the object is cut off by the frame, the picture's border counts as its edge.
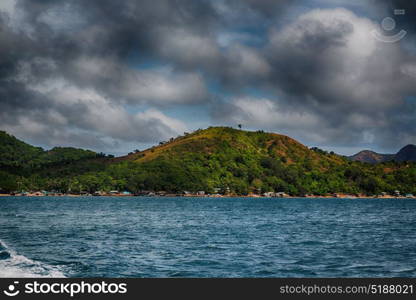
(186, 46)
(266, 113)
(163, 87)
(84, 111)
(158, 86)
(155, 116)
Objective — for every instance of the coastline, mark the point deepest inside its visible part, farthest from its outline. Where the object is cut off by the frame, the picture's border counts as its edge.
(220, 196)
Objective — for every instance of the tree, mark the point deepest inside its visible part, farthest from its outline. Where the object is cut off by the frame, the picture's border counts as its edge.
(7, 182)
(239, 126)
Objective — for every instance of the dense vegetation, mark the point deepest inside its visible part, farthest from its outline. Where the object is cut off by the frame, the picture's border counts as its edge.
(216, 158)
(24, 167)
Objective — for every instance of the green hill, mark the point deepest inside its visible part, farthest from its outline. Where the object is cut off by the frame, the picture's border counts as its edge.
(18, 154)
(221, 158)
(23, 163)
(213, 141)
(211, 160)
(15, 153)
(243, 162)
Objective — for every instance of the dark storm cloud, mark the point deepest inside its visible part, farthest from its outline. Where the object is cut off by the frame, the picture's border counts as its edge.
(270, 8)
(107, 70)
(330, 75)
(108, 33)
(68, 68)
(330, 64)
(75, 60)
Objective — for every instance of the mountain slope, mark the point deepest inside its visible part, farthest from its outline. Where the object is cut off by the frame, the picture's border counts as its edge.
(216, 140)
(222, 157)
(16, 153)
(371, 157)
(407, 153)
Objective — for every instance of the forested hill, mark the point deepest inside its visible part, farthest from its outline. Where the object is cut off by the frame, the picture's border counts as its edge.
(235, 146)
(23, 166)
(211, 160)
(18, 154)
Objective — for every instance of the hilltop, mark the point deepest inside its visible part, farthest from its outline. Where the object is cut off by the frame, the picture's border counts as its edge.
(215, 140)
(371, 157)
(214, 160)
(407, 153)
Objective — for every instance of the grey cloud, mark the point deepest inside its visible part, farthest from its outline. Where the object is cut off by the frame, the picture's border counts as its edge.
(88, 46)
(71, 65)
(327, 67)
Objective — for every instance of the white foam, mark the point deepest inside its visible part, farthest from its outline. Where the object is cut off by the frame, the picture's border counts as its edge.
(18, 266)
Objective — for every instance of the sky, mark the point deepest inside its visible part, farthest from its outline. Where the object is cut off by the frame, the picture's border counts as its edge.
(114, 76)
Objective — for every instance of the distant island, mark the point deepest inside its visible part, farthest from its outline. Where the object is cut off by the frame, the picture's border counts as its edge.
(407, 153)
(217, 161)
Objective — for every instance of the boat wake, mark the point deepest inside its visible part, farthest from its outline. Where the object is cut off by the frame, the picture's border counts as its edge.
(13, 265)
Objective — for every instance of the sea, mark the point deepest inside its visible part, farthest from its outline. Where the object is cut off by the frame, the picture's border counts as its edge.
(206, 237)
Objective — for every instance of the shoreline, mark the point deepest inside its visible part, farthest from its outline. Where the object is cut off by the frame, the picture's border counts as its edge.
(217, 196)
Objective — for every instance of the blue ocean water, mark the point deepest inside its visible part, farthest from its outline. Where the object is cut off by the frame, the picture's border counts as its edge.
(206, 237)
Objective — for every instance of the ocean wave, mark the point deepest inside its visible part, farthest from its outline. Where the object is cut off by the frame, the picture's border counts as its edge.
(13, 265)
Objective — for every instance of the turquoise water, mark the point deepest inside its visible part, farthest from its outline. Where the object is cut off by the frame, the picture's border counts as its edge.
(207, 237)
